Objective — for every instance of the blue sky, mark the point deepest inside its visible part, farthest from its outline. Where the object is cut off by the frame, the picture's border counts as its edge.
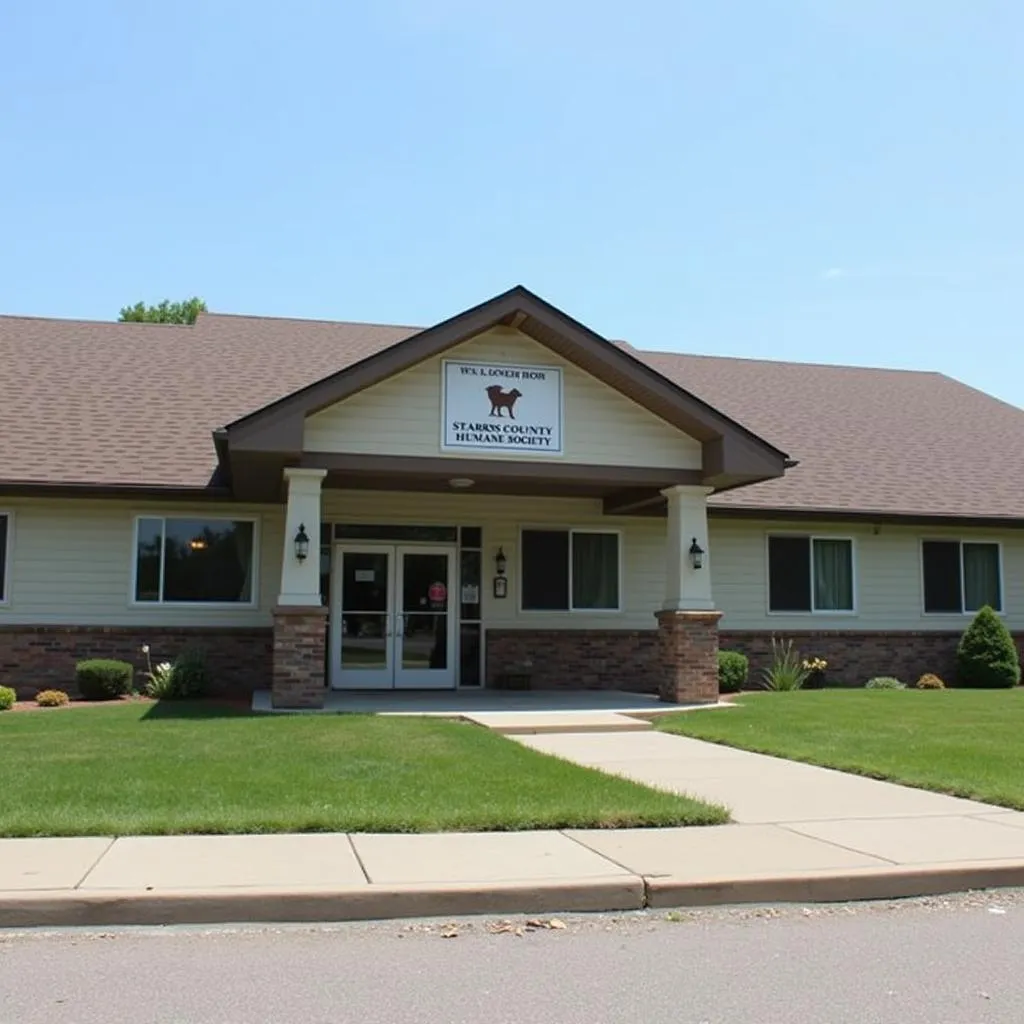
(822, 180)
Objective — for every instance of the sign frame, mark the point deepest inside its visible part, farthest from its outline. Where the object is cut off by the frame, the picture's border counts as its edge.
(500, 451)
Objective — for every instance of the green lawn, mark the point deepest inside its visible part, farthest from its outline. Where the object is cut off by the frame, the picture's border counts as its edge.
(964, 742)
(149, 769)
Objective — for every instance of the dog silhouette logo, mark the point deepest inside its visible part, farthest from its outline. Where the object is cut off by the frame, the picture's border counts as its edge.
(502, 400)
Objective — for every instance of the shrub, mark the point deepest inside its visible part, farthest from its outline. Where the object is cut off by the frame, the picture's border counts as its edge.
(786, 671)
(52, 698)
(191, 676)
(885, 683)
(733, 668)
(103, 678)
(986, 656)
(7, 698)
(187, 677)
(930, 682)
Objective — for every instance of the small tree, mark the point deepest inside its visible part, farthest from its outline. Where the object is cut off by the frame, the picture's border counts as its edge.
(986, 656)
(166, 312)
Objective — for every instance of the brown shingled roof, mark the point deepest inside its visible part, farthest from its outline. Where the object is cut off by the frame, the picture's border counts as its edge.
(134, 405)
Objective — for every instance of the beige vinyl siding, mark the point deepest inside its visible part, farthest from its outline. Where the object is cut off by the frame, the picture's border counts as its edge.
(887, 576)
(641, 547)
(402, 415)
(71, 564)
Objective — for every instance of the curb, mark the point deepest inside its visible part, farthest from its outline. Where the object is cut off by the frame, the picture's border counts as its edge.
(369, 902)
(827, 887)
(75, 908)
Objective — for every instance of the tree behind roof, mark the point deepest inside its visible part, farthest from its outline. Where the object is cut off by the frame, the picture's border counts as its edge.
(166, 312)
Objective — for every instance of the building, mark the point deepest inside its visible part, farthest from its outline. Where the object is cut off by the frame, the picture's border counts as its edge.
(505, 497)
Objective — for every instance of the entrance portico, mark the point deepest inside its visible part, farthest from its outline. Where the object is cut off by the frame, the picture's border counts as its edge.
(445, 551)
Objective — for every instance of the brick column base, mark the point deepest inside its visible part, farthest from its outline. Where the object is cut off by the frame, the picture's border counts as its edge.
(300, 646)
(688, 646)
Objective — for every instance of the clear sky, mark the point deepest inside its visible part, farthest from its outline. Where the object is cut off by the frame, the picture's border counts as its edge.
(822, 180)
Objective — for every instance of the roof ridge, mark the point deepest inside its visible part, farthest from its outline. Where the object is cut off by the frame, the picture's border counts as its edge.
(86, 320)
(793, 362)
(307, 320)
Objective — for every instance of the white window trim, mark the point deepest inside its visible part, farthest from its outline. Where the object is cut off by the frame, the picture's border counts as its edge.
(811, 538)
(214, 605)
(553, 528)
(964, 612)
(5, 602)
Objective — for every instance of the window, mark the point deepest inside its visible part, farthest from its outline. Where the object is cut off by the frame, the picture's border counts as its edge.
(195, 561)
(569, 570)
(810, 574)
(961, 577)
(5, 535)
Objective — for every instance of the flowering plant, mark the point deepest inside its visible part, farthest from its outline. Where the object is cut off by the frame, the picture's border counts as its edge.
(815, 664)
(159, 679)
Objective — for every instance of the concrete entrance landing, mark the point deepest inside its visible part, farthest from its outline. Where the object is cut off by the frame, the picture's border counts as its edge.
(505, 711)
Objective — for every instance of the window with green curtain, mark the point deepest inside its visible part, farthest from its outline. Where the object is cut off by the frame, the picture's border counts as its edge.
(833, 575)
(595, 570)
(981, 577)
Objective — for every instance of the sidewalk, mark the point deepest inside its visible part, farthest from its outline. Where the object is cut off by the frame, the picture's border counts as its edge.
(802, 834)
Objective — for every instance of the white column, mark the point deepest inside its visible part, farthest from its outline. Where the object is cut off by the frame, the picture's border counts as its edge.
(300, 581)
(686, 588)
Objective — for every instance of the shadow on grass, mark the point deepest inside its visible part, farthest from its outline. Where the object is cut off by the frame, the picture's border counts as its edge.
(196, 710)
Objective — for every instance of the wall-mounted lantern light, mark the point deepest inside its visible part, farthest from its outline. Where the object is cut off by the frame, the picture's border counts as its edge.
(301, 543)
(501, 580)
(696, 555)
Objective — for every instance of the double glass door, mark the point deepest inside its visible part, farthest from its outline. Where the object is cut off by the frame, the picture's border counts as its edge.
(391, 619)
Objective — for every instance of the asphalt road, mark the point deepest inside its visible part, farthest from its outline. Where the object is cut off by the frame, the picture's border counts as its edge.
(936, 961)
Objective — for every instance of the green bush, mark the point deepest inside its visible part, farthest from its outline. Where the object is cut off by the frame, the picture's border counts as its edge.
(885, 683)
(52, 698)
(929, 681)
(986, 657)
(103, 678)
(184, 679)
(191, 676)
(732, 671)
(7, 698)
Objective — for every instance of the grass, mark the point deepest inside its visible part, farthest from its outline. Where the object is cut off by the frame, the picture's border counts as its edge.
(160, 769)
(963, 742)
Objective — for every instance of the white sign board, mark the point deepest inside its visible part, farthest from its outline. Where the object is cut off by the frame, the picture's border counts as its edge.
(497, 407)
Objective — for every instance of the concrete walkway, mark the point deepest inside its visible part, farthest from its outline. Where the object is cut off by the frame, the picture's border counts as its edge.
(802, 833)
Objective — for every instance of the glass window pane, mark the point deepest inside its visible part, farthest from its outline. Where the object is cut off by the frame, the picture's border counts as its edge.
(595, 570)
(469, 583)
(833, 576)
(325, 575)
(364, 581)
(383, 531)
(469, 654)
(425, 584)
(149, 542)
(545, 570)
(941, 575)
(208, 560)
(981, 577)
(3, 557)
(470, 536)
(789, 574)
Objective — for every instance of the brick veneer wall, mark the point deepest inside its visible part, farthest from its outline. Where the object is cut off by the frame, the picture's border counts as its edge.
(34, 658)
(578, 659)
(854, 658)
(299, 664)
(689, 656)
(614, 659)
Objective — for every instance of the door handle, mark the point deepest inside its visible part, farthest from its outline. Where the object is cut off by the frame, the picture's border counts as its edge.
(400, 625)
